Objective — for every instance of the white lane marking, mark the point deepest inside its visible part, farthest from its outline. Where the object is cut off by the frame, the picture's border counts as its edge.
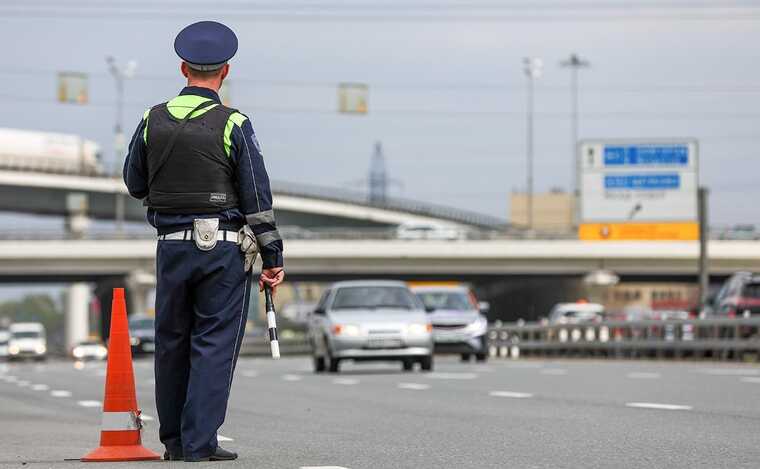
(413, 386)
(40, 387)
(729, 372)
(146, 417)
(11, 379)
(89, 403)
(291, 377)
(438, 375)
(22, 384)
(642, 375)
(224, 438)
(345, 381)
(750, 380)
(522, 365)
(654, 405)
(512, 394)
(553, 372)
(250, 373)
(60, 393)
(323, 467)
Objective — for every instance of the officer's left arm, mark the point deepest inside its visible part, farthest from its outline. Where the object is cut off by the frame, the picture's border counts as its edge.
(135, 165)
(254, 191)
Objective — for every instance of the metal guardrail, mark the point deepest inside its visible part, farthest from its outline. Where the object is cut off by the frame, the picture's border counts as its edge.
(718, 339)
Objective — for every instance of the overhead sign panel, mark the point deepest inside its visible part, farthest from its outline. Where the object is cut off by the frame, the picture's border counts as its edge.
(639, 190)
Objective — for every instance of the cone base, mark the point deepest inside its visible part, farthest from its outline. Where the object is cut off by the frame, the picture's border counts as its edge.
(121, 453)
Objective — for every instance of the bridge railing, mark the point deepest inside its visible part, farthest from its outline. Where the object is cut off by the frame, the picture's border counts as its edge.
(717, 338)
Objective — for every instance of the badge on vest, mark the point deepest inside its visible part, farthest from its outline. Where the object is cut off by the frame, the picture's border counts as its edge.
(217, 198)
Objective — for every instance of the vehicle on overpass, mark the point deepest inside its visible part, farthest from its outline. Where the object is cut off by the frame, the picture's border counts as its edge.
(739, 296)
(370, 321)
(48, 152)
(578, 312)
(27, 341)
(89, 350)
(459, 323)
(142, 334)
(4, 337)
(429, 231)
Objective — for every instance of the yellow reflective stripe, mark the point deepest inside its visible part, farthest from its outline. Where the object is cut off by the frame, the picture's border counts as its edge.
(236, 119)
(181, 105)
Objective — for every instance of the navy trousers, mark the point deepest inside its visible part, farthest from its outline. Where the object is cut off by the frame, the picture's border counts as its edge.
(201, 311)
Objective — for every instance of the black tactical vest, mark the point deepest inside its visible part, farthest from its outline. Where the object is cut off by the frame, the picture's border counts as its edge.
(195, 175)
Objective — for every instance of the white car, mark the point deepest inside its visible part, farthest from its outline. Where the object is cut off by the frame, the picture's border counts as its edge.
(429, 231)
(573, 313)
(89, 350)
(27, 341)
(4, 337)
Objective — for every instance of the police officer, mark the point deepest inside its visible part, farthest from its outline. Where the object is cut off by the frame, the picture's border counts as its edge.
(198, 168)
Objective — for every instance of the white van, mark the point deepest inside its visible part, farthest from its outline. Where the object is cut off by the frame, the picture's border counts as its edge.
(27, 341)
(573, 313)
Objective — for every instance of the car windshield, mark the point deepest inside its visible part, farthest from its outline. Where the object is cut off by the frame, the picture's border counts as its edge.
(26, 335)
(453, 300)
(371, 297)
(146, 323)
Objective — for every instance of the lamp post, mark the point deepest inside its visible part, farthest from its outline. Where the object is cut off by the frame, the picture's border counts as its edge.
(574, 63)
(532, 67)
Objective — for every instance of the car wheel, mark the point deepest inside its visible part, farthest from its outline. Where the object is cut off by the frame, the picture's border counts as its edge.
(407, 364)
(319, 364)
(427, 363)
(481, 357)
(333, 364)
(465, 357)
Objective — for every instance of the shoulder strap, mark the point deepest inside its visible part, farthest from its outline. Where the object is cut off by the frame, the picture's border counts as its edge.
(168, 148)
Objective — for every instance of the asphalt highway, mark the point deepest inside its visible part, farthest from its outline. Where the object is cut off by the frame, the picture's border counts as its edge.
(502, 414)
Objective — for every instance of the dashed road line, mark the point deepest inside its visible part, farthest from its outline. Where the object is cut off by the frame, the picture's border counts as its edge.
(439, 375)
(553, 372)
(413, 386)
(346, 381)
(728, 372)
(291, 377)
(512, 394)
(89, 403)
(40, 387)
(654, 405)
(22, 384)
(755, 380)
(642, 375)
(60, 393)
(250, 373)
(224, 438)
(323, 467)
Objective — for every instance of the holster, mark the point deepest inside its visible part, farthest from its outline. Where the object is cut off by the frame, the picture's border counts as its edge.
(204, 233)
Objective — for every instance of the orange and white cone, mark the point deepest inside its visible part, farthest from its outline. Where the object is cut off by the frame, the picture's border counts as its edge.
(120, 430)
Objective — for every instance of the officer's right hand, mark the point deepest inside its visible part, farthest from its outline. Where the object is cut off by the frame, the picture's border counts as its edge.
(271, 277)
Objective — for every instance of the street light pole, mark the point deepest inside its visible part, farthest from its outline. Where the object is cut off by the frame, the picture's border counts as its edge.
(574, 63)
(532, 67)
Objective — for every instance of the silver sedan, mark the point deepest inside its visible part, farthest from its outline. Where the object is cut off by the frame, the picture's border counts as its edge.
(370, 321)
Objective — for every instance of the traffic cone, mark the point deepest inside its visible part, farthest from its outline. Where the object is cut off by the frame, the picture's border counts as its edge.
(120, 431)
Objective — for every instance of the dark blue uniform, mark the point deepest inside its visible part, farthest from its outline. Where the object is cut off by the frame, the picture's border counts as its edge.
(202, 296)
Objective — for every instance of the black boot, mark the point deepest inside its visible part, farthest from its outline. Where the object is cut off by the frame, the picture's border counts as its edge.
(172, 456)
(220, 454)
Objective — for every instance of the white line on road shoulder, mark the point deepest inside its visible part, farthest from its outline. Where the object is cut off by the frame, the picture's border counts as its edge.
(345, 381)
(654, 405)
(439, 375)
(224, 438)
(291, 377)
(60, 393)
(642, 375)
(414, 386)
(750, 380)
(89, 403)
(729, 372)
(512, 394)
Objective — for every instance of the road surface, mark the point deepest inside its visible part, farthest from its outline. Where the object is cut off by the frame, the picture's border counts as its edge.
(502, 414)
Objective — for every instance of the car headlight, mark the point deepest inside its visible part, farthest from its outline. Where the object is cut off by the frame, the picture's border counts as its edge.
(102, 351)
(478, 326)
(14, 350)
(419, 329)
(78, 352)
(346, 329)
(135, 341)
(40, 349)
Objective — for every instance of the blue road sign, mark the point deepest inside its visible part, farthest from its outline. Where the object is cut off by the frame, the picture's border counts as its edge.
(646, 155)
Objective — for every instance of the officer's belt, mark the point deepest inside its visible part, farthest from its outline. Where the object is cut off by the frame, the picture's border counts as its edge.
(187, 235)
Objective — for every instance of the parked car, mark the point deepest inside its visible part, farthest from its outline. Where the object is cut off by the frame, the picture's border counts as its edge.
(739, 296)
(89, 350)
(578, 312)
(370, 321)
(459, 325)
(429, 231)
(142, 334)
(27, 340)
(4, 337)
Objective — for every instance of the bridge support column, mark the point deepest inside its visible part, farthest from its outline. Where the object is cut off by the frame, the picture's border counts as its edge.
(139, 283)
(77, 327)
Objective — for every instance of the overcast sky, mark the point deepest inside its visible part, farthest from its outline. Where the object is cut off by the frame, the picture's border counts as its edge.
(447, 93)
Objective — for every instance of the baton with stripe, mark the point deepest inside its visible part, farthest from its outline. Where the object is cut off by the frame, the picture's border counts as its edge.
(271, 322)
